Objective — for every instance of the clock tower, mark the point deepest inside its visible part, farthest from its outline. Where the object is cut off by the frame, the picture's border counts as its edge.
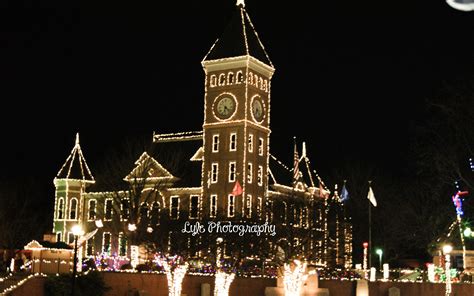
(236, 129)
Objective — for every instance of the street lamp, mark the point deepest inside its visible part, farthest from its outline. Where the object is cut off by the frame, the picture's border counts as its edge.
(76, 231)
(379, 252)
(447, 258)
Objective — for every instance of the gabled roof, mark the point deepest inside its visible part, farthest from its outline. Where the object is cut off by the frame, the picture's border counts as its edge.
(148, 168)
(75, 167)
(239, 39)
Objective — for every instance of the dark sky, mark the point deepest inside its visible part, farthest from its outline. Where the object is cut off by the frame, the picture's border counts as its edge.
(351, 76)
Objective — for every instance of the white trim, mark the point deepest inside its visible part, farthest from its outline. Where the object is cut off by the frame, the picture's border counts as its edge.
(233, 141)
(221, 81)
(109, 251)
(214, 172)
(213, 206)
(260, 146)
(260, 175)
(230, 204)
(230, 75)
(232, 172)
(259, 207)
(111, 209)
(248, 206)
(213, 80)
(61, 199)
(93, 246)
(120, 237)
(75, 210)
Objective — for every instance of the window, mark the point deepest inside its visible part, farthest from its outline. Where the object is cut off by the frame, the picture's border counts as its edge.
(233, 142)
(260, 146)
(259, 207)
(174, 207)
(250, 142)
(265, 85)
(194, 207)
(58, 236)
(155, 213)
(125, 209)
(61, 208)
(108, 209)
(221, 79)
(214, 172)
(213, 80)
(106, 242)
(143, 211)
(213, 213)
(73, 209)
(230, 78)
(248, 206)
(260, 175)
(91, 216)
(122, 244)
(250, 78)
(90, 246)
(260, 82)
(215, 143)
(240, 77)
(232, 166)
(249, 173)
(70, 238)
(231, 206)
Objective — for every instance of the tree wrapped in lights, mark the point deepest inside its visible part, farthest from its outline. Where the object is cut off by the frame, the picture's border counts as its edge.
(175, 272)
(223, 279)
(294, 278)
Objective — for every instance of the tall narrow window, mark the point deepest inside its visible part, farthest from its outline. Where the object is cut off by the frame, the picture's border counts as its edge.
(90, 246)
(250, 144)
(108, 209)
(122, 244)
(91, 213)
(232, 166)
(230, 78)
(59, 236)
(106, 242)
(240, 77)
(155, 213)
(260, 175)
(125, 209)
(249, 173)
(144, 211)
(213, 81)
(174, 207)
(215, 143)
(260, 83)
(231, 206)
(265, 85)
(260, 146)
(214, 172)
(70, 238)
(213, 213)
(73, 209)
(233, 142)
(259, 207)
(248, 206)
(194, 207)
(60, 208)
(221, 79)
(250, 78)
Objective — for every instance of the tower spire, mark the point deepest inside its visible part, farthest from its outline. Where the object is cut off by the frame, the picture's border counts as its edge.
(240, 3)
(77, 139)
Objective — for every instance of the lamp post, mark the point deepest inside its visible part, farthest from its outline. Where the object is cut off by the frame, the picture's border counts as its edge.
(76, 231)
(379, 252)
(447, 250)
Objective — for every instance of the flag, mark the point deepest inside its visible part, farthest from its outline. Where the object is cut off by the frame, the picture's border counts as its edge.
(296, 161)
(237, 189)
(344, 193)
(371, 197)
(86, 237)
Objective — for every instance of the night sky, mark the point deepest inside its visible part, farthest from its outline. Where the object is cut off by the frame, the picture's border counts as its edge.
(351, 76)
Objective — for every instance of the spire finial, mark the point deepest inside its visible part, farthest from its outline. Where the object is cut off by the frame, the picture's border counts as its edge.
(77, 139)
(240, 2)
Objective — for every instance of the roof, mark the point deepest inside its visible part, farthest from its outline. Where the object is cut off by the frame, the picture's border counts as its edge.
(239, 39)
(75, 167)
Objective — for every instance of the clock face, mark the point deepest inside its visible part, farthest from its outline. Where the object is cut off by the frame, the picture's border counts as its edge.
(225, 106)
(257, 109)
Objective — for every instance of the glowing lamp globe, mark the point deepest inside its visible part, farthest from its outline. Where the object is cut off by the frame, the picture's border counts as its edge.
(149, 229)
(132, 227)
(447, 249)
(77, 230)
(366, 244)
(379, 252)
(467, 232)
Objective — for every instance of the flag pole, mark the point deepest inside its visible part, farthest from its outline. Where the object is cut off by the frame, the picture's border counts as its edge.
(370, 232)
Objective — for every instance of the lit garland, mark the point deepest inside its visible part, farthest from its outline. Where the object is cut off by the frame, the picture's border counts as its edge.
(293, 280)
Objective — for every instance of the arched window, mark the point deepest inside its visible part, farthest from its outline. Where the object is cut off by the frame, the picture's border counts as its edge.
(230, 78)
(91, 216)
(265, 85)
(221, 79)
(144, 211)
(260, 82)
(240, 77)
(250, 78)
(60, 214)
(213, 81)
(73, 209)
